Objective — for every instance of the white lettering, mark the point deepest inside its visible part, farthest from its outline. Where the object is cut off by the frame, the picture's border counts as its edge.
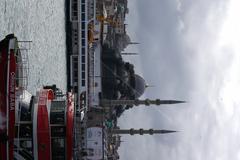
(12, 91)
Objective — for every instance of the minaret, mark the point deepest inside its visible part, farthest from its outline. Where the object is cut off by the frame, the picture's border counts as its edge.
(133, 43)
(124, 53)
(137, 102)
(140, 131)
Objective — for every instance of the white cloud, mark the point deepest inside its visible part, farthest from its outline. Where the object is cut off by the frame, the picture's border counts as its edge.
(210, 122)
(179, 5)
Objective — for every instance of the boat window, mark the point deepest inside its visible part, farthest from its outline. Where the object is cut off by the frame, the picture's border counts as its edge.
(57, 117)
(83, 51)
(83, 33)
(25, 113)
(75, 7)
(57, 112)
(26, 144)
(83, 75)
(83, 66)
(75, 65)
(74, 13)
(83, 83)
(75, 73)
(83, 8)
(58, 131)
(75, 59)
(26, 130)
(58, 148)
(83, 59)
(83, 25)
(83, 17)
(58, 106)
(83, 42)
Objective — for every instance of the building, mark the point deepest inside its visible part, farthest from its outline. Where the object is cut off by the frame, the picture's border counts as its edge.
(105, 85)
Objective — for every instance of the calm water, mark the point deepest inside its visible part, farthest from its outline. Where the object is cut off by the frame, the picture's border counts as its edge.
(43, 22)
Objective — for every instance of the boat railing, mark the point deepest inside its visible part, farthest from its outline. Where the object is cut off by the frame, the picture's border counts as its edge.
(91, 81)
(74, 10)
(94, 75)
(23, 64)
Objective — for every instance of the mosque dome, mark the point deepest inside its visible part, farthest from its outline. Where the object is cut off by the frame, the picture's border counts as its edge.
(140, 85)
(127, 38)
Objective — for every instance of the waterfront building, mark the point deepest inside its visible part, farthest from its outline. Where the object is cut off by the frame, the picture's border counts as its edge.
(105, 85)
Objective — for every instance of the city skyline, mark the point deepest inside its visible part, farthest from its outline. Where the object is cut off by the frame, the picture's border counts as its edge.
(187, 51)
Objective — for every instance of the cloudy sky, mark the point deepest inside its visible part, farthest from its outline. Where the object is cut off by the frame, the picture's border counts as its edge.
(190, 51)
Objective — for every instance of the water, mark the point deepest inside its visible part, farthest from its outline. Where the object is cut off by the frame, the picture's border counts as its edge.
(43, 22)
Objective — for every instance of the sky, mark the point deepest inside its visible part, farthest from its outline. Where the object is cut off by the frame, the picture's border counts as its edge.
(189, 51)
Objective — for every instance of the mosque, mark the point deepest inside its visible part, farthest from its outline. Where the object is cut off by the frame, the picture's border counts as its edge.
(121, 90)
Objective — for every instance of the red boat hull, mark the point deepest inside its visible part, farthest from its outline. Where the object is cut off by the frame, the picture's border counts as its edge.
(7, 100)
(43, 127)
(69, 126)
(3, 103)
(11, 101)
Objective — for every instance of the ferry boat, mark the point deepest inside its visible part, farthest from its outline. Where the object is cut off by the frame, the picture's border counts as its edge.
(52, 124)
(44, 125)
(85, 77)
(9, 53)
(31, 127)
(85, 54)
